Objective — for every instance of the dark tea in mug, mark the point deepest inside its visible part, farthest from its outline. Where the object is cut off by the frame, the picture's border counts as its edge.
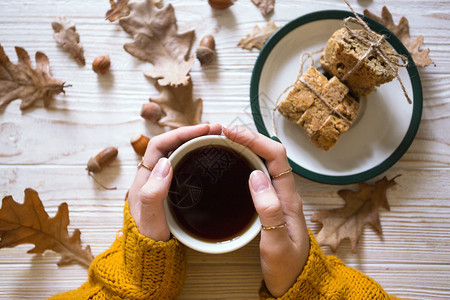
(209, 195)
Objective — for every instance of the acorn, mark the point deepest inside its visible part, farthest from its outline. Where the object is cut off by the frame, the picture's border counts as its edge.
(139, 143)
(220, 4)
(206, 51)
(101, 64)
(151, 111)
(102, 159)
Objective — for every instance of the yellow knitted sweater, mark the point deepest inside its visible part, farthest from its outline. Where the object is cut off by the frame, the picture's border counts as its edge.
(136, 267)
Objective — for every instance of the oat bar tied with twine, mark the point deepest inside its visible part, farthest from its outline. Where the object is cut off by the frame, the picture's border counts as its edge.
(322, 107)
(361, 58)
(331, 99)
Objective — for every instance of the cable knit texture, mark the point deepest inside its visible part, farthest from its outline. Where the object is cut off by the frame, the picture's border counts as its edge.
(326, 277)
(134, 267)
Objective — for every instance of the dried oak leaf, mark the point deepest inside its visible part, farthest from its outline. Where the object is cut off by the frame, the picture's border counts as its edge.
(156, 40)
(401, 30)
(259, 36)
(265, 6)
(67, 36)
(360, 207)
(21, 81)
(178, 106)
(29, 223)
(120, 9)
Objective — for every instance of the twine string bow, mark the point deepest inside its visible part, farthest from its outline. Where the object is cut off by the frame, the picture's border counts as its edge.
(374, 42)
(303, 58)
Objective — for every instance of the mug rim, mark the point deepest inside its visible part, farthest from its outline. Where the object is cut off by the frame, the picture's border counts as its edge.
(186, 238)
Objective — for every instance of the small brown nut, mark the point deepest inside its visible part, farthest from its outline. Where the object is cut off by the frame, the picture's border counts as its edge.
(101, 64)
(102, 159)
(151, 111)
(220, 4)
(139, 143)
(208, 42)
(206, 50)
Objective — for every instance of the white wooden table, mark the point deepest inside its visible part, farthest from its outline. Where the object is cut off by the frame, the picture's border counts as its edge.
(47, 149)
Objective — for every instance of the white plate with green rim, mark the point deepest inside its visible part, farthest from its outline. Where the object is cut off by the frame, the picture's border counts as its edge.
(386, 124)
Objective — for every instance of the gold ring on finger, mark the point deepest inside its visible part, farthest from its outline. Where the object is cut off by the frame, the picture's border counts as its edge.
(273, 227)
(141, 164)
(281, 174)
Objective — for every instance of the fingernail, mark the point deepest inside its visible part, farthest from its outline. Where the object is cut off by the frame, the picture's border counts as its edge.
(259, 181)
(162, 168)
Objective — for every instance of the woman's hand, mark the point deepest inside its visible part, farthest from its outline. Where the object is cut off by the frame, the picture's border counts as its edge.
(149, 189)
(284, 250)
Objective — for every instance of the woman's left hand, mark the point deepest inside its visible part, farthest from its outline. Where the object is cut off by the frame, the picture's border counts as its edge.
(149, 189)
(283, 250)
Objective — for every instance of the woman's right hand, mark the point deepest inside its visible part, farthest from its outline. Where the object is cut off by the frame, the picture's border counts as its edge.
(284, 250)
(150, 187)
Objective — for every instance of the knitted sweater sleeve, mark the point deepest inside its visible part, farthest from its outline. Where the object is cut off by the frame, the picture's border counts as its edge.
(327, 277)
(134, 267)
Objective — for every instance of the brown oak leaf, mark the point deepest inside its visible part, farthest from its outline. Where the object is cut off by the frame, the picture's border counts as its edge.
(360, 207)
(401, 30)
(156, 40)
(178, 106)
(29, 223)
(259, 36)
(120, 9)
(67, 36)
(265, 6)
(21, 81)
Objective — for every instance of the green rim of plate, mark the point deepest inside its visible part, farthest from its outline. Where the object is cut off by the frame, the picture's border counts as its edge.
(412, 72)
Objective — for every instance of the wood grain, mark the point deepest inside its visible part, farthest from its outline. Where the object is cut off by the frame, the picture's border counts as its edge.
(47, 149)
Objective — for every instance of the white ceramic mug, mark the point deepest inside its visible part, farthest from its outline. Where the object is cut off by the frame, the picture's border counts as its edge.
(189, 239)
